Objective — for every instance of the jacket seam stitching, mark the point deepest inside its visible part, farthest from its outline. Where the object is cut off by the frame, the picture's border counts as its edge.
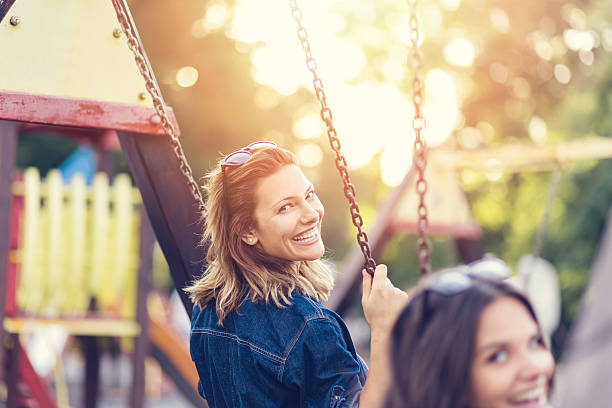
(317, 307)
(250, 345)
(293, 342)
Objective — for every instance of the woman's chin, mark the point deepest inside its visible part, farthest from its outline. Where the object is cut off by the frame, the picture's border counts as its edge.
(312, 253)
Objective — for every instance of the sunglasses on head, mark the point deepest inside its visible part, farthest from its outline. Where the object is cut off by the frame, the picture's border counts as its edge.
(239, 157)
(451, 281)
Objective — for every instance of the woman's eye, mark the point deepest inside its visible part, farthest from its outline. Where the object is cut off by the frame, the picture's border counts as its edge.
(284, 208)
(536, 342)
(310, 195)
(498, 357)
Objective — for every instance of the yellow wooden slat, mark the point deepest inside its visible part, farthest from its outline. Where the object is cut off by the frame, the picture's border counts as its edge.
(77, 300)
(77, 242)
(31, 283)
(77, 327)
(100, 286)
(56, 244)
(125, 240)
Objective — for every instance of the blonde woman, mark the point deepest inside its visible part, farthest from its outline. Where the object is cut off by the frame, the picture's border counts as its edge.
(260, 336)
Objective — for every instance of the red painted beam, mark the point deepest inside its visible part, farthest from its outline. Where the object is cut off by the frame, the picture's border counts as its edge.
(83, 113)
(37, 386)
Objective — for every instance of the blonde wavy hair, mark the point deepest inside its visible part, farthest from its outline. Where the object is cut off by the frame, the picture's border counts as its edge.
(237, 271)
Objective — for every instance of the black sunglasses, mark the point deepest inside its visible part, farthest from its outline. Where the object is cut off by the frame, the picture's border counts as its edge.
(238, 158)
(451, 281)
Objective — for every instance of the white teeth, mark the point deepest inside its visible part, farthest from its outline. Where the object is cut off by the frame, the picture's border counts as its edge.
(538, 393)
(307, 236)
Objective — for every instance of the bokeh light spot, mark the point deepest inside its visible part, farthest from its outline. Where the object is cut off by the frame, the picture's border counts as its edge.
(498, 72)
(562, 73)
(450, 5)
(538, 130)
(494, 169)
(543, 49)
(460, 52)
(500, 20)
(308, 127)
(186, 76)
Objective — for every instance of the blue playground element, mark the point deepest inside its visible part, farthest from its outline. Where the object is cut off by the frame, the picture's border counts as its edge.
(82, 160)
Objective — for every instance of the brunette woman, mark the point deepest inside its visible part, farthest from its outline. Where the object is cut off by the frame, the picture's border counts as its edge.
(467, 339)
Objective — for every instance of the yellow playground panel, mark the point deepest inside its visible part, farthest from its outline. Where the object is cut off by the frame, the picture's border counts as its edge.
(63, 48)
(77, 243)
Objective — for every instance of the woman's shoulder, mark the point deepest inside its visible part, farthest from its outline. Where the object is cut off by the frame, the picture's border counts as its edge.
(306, 307)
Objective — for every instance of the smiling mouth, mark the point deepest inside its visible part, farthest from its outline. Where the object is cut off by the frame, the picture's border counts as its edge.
(308, 237)
(535, 398)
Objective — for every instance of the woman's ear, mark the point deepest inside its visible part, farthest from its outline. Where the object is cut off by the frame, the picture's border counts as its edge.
(250, 238)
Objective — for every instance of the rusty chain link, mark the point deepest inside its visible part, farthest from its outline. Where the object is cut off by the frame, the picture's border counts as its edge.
(420, 146)
(334, 142)
(129, 28)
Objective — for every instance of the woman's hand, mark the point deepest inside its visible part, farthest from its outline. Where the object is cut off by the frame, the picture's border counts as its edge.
(382, 302)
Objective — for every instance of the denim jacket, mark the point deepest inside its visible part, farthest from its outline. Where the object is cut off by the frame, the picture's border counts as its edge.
(266, 356)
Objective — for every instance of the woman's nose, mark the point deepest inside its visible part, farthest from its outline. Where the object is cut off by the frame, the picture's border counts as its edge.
(537, 364)
(309, 214)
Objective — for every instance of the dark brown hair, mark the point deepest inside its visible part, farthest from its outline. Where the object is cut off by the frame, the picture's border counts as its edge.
(433, 345)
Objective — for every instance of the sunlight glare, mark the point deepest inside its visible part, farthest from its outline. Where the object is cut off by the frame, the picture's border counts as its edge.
(450, 5)
(308, 126)
(441, 107)
(279, 61)
(309, 154)
(396, 160)
(369, 116)
(214, 19)
(460, 52)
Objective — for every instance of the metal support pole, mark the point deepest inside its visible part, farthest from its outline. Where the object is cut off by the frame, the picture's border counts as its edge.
(141, 342)
(8, 146)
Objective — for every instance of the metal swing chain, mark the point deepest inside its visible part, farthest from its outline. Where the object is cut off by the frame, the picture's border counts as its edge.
(129, 28)
(332, 134)
(419, 157)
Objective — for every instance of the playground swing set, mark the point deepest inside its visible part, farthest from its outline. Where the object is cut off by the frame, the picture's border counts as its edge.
(98, 99)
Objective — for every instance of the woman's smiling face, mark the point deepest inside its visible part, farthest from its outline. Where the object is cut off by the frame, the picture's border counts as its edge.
(288, 216)
(512, 366)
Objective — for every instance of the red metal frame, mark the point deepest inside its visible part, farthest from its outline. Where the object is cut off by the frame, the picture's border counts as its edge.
(83, 113)
(37, 387)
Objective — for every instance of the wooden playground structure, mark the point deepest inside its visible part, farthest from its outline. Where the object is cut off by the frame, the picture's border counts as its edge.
(50, 273)
(77, 256)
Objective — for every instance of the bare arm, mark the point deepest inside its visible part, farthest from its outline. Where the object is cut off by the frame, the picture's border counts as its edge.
(382, 302)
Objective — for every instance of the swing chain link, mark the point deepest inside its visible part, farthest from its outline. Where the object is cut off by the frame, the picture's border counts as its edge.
(420, 145)
(332, 134)
(146, 71)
